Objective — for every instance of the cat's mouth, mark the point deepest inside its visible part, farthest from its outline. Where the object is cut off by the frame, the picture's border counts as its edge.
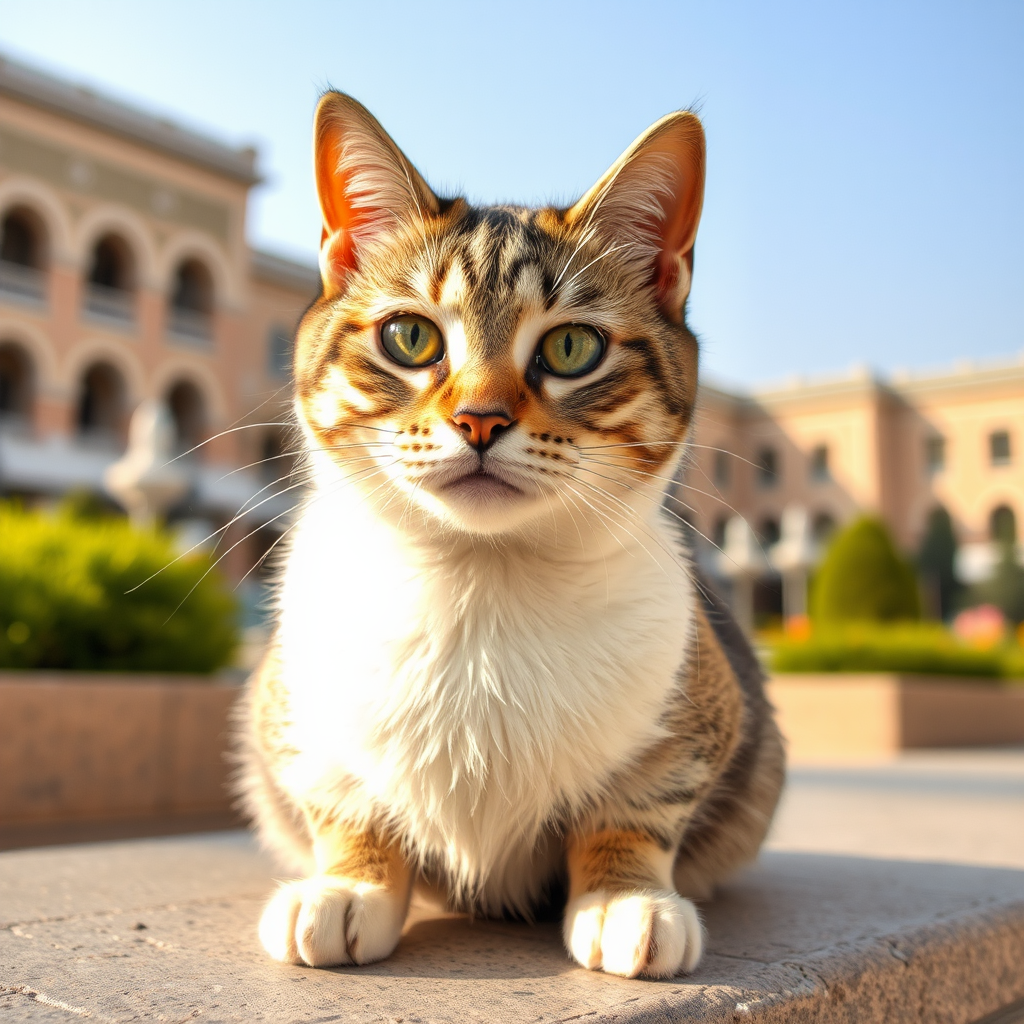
(481, 484)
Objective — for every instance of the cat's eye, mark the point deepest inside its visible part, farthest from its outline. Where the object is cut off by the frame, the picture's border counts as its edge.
(412, 340)
(571, 350)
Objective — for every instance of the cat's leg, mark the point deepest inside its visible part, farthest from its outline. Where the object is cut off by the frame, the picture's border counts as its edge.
(351, 911)
(624, 914)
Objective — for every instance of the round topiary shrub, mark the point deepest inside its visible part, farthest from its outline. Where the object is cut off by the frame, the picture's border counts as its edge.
(68, 598)
(863, 578)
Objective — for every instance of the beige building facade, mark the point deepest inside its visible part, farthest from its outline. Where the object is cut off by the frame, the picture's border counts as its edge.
(897, 448)
(125, 275)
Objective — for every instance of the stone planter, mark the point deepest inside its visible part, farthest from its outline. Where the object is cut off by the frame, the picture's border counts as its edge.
(848, 715)
(80, 747)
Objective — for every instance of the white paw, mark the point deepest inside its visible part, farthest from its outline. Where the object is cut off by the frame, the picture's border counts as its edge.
(651, 932)
(325, 921)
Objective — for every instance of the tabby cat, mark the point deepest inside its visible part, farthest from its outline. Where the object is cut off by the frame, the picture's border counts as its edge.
(495, 675)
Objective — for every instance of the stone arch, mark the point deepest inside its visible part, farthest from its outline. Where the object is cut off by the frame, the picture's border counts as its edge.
(1002, 525)
(36, 343)
(196, 370)
(118, 221)
(24, 238)
(190, 412)
(101, 350)
(18, 382)
(194, 245)
(45, 204)
(101, 403)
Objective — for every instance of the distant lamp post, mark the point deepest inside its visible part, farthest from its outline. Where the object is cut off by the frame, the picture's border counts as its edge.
(793, 556)
(742, 560)
(145, 480)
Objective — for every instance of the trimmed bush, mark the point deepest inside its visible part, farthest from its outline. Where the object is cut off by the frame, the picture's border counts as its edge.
(67, 599)
(927, 648)
(863, 579)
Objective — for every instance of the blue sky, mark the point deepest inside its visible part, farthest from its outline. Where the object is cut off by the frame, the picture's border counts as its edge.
(866, 160)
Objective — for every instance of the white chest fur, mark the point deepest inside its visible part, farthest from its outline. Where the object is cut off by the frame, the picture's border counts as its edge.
(470, 693)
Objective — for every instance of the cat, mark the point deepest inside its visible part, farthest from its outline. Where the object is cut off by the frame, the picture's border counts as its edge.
(495, 673)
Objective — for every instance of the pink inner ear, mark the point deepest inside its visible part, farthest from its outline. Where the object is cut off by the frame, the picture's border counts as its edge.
(337, 256)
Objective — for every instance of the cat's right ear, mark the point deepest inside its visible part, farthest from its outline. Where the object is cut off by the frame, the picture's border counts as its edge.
(365, 184)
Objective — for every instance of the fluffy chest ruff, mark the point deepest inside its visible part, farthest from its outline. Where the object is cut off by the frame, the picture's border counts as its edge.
(476, 696)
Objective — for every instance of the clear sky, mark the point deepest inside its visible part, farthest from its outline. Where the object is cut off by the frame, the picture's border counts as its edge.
(865, 196)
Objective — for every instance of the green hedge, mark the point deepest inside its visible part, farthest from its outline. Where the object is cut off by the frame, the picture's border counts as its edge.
(67, 599)
(927, 648)
(862, 578)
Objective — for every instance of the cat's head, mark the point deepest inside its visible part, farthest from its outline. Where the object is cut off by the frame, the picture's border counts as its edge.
(484, 368)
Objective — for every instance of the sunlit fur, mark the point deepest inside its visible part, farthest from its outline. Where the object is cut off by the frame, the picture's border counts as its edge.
(499, 662)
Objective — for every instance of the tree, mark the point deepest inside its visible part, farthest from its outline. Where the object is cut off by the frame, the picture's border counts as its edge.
(863, 578)
(935, 562)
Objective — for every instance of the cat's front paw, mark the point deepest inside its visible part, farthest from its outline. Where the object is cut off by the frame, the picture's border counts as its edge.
(648, 932)
(325, 921)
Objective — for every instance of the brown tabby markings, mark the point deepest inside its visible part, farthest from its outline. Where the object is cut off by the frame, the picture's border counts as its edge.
(509, 259)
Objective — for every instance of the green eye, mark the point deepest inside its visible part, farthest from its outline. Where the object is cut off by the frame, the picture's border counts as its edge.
(412, 340)
(571, 350)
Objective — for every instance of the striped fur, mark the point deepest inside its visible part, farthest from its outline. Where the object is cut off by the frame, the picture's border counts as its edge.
(494, 674)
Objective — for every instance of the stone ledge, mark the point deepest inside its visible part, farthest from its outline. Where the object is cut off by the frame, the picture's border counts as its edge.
(165, 929)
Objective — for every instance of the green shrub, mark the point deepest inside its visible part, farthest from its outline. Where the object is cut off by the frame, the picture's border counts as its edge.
(863, 579)
(67, 599)
(927, 648)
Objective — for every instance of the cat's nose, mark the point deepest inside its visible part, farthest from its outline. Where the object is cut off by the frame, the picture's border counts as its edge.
(481, 429)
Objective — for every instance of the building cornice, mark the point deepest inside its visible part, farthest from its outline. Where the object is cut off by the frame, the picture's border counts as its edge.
(287, 273)
(47, 92)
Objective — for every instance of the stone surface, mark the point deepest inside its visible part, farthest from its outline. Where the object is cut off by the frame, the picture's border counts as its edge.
(165, 930)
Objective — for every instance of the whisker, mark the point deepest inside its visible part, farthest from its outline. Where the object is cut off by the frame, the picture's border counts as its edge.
(352, 479)
(224, 433)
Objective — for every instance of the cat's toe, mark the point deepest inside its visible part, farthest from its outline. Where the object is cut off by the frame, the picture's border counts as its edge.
(654, 933)
(327, 921)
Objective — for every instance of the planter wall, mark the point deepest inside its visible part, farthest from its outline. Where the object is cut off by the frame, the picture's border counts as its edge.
(837, 715)
(77, 747)
(83, 746)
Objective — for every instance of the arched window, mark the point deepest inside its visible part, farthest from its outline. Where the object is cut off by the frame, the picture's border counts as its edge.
(101, 403)
(279, 352)
(23, 255)
(822, 527)
(767, 468)
(16, 384)
(277, 457)
(768, 532)
(191, 313)
(110, 286)
(188, 410)
(1002, 525)
(718, 532)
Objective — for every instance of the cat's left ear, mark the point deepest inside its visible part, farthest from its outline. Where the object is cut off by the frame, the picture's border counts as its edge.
(366, 186)
(649, 203)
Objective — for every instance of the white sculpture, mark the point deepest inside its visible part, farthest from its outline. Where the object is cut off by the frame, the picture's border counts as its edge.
(743, 560)
(145, 480)
(793, 556)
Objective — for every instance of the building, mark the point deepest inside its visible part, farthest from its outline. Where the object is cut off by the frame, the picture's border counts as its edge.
(829, 450)
(124, 275)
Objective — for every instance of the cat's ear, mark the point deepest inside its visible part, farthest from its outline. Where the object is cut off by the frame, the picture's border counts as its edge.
(365, 184)
(649, 203)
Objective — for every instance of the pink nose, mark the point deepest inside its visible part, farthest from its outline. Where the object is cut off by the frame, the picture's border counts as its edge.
(481, 429)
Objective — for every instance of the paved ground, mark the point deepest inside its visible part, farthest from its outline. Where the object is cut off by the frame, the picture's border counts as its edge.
(963, 807)
(848, 917)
